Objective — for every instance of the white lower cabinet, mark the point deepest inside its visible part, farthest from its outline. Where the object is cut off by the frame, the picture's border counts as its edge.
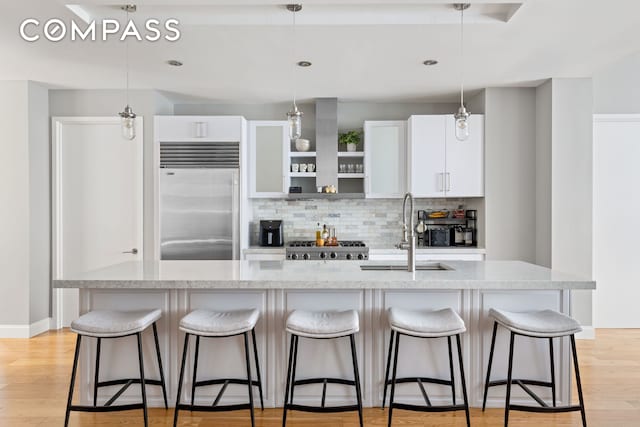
(321, 358)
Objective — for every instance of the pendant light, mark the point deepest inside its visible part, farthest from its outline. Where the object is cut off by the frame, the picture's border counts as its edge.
(462, 116)
(294, 116)
(128, 117)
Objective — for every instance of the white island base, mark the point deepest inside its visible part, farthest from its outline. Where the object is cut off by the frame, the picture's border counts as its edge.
(278, 288)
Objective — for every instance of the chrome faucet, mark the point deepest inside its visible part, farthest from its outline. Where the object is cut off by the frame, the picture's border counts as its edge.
(408, 236)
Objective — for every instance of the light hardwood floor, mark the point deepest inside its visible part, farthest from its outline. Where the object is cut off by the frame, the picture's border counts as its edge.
(34, 379)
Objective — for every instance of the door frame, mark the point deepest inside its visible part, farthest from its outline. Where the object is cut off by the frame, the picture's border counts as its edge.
(57, 232)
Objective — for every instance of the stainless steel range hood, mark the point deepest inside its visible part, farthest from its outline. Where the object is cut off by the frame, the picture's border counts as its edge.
(326, 151)
(327, 141)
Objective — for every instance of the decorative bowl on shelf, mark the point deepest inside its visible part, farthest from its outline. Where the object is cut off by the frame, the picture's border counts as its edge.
(302, 144)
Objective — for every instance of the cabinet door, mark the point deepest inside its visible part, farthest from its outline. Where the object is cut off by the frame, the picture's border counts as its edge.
(426, 156)
(199, 128)
(464, 175)
(267, 149)
(385, 158)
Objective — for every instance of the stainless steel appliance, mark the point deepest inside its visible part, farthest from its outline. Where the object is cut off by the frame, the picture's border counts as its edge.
(346, 250)
(199, 201)
(271, 233)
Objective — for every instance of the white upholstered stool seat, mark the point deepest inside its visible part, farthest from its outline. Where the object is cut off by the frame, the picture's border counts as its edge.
(219, 323)
(112, 323)
(542, 323)
(426, 323)
(323, 324)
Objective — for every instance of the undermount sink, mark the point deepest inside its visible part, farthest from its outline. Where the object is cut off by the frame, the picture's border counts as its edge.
(432, 266)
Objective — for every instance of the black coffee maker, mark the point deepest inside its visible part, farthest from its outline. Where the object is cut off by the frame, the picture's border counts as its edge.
(271, 233)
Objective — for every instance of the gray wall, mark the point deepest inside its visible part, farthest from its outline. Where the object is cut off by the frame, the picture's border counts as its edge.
(14, 200)
(543, 174)
(616, 89)
(39, 204)
(572, 185)
(510, 181)
(146, 103)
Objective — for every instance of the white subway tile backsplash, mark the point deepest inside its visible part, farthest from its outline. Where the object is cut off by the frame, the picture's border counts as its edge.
(375, 221)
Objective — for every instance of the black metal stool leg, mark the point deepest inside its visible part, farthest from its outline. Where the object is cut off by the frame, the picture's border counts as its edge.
(509, 376)
(453, 385)
(249, 385)
(195, 370)
(293, 372)
(393, 380)
(288, 384)
(356, 375)
(553, 371)
(464, 383)
(95, 378)
(386, 375)
(255, 356)
(486, 383)
(73, 380)
(578, 381)
(142, 384)
(180, 378)
(164, 387)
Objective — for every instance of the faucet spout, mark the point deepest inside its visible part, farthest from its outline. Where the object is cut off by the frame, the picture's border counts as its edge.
(408, 236)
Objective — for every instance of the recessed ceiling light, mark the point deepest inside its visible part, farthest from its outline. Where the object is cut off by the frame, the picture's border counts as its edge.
(304, 64)
(430, 62)
(174, 63)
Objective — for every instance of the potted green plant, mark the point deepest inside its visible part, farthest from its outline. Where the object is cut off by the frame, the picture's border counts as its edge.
(351, 139)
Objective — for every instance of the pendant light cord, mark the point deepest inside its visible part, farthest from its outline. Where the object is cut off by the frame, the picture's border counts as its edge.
(293, 56)
(126, 44)
(462, 56)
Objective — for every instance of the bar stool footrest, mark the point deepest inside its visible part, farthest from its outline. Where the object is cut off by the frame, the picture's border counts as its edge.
(126, 380)
(442, 408)
(545, 409)
(324, 380)
(221, 408)
(326, 409)
(238, 381)
(127, 407)
(421, 379)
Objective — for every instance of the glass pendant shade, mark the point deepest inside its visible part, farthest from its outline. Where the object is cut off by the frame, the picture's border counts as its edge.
(128, 123)
(295, 123)
(462, 124)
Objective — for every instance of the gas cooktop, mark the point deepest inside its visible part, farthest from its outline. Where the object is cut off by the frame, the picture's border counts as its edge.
(345, 250)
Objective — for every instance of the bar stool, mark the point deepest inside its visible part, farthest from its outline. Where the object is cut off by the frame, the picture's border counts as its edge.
(425, 324)
(115, 324)
(321, 325)
(536, 324)
(219, 324)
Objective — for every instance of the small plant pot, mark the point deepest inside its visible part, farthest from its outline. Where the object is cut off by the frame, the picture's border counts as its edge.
(351, 147)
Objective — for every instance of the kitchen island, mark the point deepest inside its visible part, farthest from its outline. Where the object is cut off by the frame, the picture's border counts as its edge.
(278, 287)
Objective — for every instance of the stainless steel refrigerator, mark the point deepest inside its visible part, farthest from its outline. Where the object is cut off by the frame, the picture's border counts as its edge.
(199, 210)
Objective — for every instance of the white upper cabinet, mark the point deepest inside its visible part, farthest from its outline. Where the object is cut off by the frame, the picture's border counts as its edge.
(465, 159)
(439, 164)
(199, 128)
(268, 149)
(426, 156)
(385, 145)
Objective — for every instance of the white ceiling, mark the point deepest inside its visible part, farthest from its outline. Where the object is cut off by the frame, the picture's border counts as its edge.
(361, 49)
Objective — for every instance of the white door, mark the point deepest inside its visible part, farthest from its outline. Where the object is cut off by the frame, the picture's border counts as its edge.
(426, 155)
(385, 158)
(464, 175)
(616, 203)
(97, 200)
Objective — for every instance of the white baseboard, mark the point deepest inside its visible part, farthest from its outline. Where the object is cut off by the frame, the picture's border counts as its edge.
(588, 333)
(25, 331)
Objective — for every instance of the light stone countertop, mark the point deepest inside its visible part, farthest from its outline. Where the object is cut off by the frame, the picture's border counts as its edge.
(319, 275)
